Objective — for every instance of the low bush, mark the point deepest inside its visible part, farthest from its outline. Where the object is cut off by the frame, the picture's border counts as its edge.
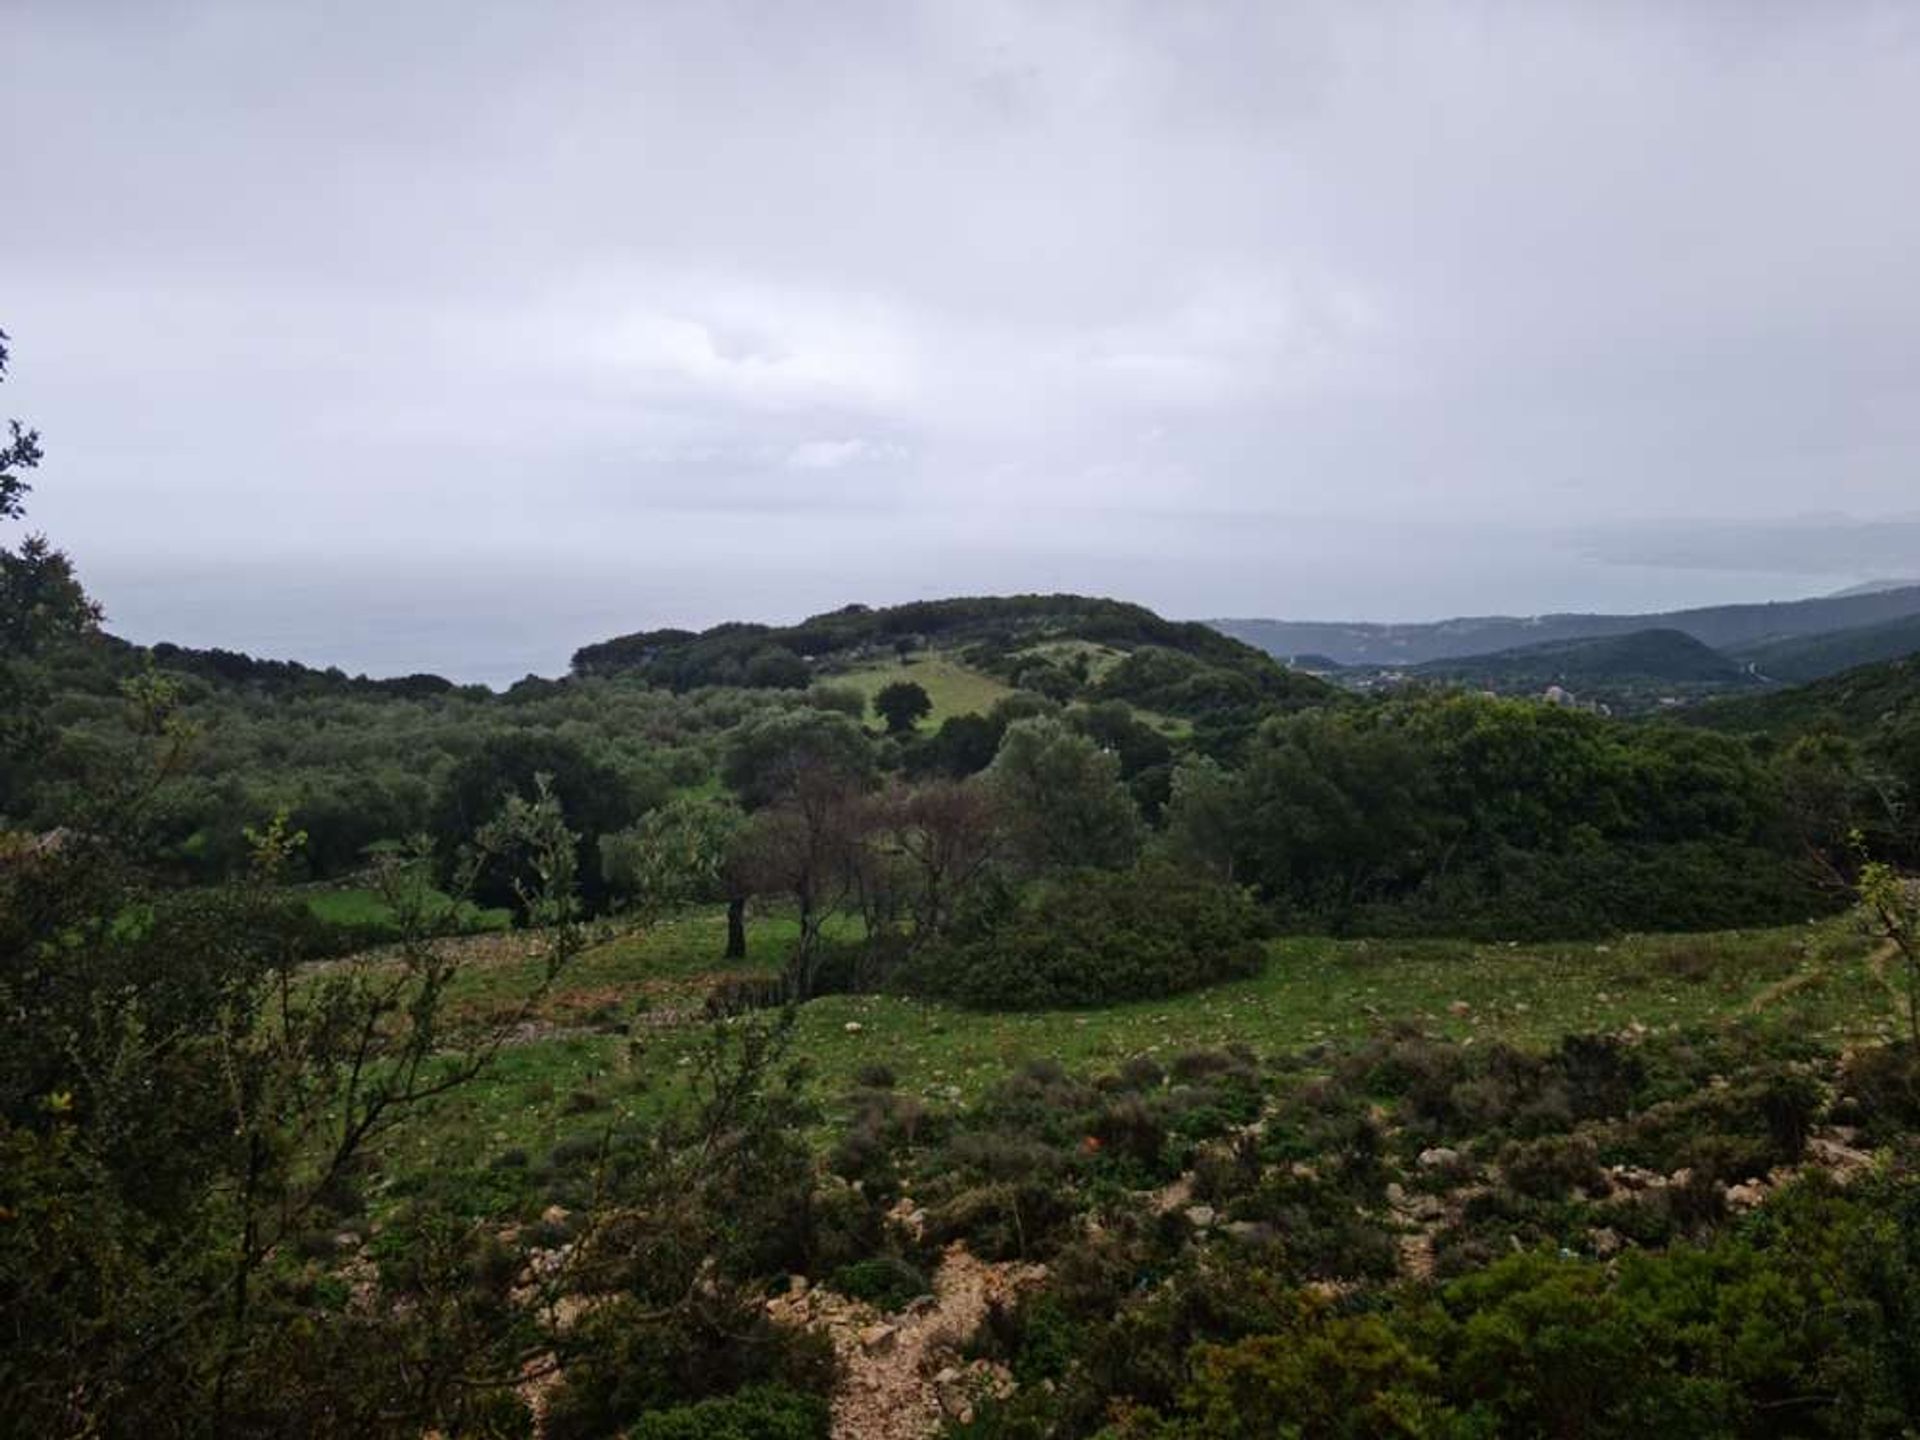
(754, 1414)
(1096, 937)
(885, 1281)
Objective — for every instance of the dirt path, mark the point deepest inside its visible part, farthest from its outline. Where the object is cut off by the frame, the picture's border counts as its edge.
(902, 1374)
(1781, 988)
(1877, 964)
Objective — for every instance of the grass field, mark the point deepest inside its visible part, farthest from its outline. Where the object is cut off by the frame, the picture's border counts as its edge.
(951, 686)
(583, 1072)
(368, 909)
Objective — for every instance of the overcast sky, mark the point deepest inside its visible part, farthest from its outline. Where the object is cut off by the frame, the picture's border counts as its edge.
(604, 315)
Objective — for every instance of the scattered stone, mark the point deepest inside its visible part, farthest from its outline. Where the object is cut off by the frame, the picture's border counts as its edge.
(853, 1027)
(1437, 1156)
(1459, 1007)
(879, 1337)
(1201, 1217)
(1606, 1242)
(1250, 1232)
(1839, 1155)
(1746, 1196)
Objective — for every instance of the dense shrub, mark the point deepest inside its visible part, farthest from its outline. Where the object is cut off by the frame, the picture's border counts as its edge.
(754, 1414)
(1092, 938)
(885, 1281)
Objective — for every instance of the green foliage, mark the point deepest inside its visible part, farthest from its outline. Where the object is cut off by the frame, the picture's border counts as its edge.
(675, 856)
(885, 1281)
(507, 769)
(1344, 1377)
(1814, 657)
(1876, 707)
(903, 704)
(1206, 670)
(358, 919)
(1093, 937)
(20, 452)
(751, 1414)
(1062, 798)
(770, 756)
(1632, 671)
(185, 1105)
(1488, 817)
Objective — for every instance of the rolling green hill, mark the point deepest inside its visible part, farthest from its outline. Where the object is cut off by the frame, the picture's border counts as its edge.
(1814, 657)
(1061, 645)
(1643, 657)
(1865, 702)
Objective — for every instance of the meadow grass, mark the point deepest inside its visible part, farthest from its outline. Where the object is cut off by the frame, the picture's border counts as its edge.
(364, 908)
(952, 687)
(1814, 980)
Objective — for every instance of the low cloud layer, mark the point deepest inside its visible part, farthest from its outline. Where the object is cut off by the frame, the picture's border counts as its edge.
(1158, 300)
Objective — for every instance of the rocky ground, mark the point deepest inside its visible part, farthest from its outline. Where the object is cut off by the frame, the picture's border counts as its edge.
(903, 1374)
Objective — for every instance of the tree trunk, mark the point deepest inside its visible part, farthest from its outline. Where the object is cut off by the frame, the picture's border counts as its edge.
(737, 928)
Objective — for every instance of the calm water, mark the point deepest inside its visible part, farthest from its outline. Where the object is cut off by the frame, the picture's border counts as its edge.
(496, 617)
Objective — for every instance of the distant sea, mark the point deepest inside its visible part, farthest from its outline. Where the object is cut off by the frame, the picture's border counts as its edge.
(496, 619)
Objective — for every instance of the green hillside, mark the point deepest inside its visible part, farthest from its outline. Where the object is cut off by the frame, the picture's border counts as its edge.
(1814, 657)
(1065, 646)
(1645, 655)
(1639, 671)
(1863, 702)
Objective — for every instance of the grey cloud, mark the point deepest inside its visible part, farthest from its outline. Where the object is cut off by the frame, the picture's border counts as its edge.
(355, 283)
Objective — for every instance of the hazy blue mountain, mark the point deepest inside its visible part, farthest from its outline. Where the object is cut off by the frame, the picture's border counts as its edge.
(1722, 627)
(1874, 587)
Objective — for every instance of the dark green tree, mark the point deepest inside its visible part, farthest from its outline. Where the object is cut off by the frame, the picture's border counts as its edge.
(21, 452)
(903, 704)
(1062, 799)
(683, 853)
(593, 797)
(805, 775)
(42, 607)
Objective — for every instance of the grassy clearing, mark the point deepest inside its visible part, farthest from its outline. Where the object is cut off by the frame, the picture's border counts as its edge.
(951, 686)
(368, 909)
(1814, 980)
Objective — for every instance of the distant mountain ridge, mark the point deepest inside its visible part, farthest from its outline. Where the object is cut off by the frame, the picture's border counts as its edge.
(1720, 627)
(1657, 657)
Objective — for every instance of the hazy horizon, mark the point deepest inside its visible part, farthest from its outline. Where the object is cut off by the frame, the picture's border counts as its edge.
(423, 337)
(454, 623)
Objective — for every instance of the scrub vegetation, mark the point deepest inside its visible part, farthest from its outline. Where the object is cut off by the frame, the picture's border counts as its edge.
(1015, 1016)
